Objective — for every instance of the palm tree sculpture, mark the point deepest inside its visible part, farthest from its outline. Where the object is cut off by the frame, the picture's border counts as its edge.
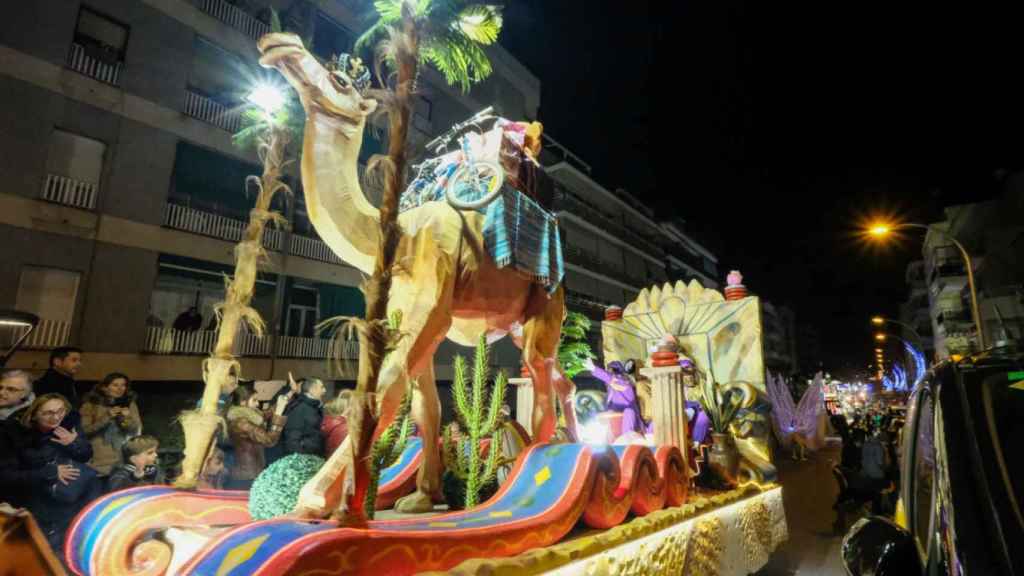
(450, 35)
(270, 132)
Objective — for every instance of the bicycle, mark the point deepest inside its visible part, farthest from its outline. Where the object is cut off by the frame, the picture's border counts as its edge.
(481, 180)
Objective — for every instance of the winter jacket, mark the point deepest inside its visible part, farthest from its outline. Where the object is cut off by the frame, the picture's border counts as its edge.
(107, 434)
(334, 430)
(36, 457)
(249, 436)
(53, 382)
(123, 476)
(302, 431)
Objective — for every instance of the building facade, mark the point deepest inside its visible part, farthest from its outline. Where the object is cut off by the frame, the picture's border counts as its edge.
(994, 238)
(780, 348)
(124, 194)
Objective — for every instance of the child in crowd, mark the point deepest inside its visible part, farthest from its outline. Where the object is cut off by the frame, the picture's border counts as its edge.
(139, 467)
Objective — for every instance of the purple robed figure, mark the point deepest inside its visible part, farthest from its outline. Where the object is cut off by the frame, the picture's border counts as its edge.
(621, 395)
(700, 424)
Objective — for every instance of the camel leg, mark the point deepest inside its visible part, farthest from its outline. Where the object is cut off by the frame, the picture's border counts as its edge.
(540, 347)
(426, 412)
(425, 324)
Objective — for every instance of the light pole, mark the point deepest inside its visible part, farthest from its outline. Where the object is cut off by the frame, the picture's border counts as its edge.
(880, 320)
(882, 230)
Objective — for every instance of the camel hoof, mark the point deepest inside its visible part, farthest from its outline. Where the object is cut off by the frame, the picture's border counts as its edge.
(415, 503)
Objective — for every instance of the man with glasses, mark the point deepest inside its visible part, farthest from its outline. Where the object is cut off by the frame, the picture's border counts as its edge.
(15, 393)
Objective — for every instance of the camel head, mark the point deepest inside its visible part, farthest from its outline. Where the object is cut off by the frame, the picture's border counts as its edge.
(323, 93)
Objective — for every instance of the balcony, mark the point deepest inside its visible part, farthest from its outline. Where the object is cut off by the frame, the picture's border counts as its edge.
(80, 61)
(315, 348)
(48, 334)
(235, 17)
(314, 249)
(566, 202)
(68, 191)
(214, 225)
(595, 264)
(212, 112)
(200, 342)
(590, 306)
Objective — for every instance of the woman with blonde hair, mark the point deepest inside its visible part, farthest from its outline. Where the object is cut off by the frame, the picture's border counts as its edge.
(334, 427)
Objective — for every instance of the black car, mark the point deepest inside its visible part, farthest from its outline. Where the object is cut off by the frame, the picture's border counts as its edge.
(962, 477)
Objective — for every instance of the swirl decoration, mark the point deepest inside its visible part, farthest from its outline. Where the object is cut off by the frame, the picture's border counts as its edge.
(548, 491)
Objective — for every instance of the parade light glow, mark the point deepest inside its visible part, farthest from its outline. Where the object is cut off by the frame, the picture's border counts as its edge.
(594, 433)
(267, 97)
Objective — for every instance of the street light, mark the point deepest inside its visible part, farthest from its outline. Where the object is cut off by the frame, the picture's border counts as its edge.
(880, 320)
(266, 97)
(880, 337)
(881, 229)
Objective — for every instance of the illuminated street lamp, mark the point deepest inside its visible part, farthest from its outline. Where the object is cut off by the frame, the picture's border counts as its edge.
(881, 230)
(880, 337)
(267, 98)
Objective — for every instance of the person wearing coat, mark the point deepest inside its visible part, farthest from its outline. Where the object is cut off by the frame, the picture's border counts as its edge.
(110, 416)
(305, 414)
(51, 456)
(250, 436)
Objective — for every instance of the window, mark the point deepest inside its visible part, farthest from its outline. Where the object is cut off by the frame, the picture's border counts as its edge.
(74, 165)
(215, 72)
(302, 312)
(330, 38)
(97, 49)
(49, 293)
(923, 472)
(102, 38)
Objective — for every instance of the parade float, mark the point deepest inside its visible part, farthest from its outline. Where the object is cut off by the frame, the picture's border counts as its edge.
(478, 256)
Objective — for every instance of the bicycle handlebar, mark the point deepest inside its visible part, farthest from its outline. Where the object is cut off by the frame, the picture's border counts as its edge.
(438, 144)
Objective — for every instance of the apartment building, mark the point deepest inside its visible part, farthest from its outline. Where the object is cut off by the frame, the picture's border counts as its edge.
(124, 195)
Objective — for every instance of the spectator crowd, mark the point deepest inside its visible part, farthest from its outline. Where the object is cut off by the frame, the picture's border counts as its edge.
(59, 451)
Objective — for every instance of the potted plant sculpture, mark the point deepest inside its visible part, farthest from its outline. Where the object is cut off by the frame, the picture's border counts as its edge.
(722, 403)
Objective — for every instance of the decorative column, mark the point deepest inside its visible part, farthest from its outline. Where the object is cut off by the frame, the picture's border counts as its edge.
(669, 400)
(734, 289)
(524, 398)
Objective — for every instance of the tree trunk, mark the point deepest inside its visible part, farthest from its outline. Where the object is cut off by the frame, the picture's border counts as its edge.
(222, 365)
(371, 357)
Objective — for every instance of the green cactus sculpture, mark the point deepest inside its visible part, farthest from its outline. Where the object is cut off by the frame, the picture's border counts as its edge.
(479, 417)
(388, 448)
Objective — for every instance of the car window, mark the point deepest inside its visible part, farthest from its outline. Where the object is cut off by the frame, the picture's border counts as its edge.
(923, 469)
(1003, 401)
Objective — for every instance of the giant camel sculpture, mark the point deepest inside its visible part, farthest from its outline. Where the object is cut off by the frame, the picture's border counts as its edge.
(444, 282)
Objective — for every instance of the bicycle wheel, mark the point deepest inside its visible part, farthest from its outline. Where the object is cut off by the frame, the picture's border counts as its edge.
(483, 179)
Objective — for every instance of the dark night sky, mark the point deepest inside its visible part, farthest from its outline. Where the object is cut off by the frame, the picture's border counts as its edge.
(773, 127)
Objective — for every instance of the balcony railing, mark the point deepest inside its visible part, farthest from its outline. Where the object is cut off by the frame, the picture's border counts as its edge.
(236, 18)
(212, 112)
(313, 248)
(564, 201)
(170, 341)
(214, 225)
(201, 342)
(315, 348)
(80, 61)
(47, 334)
(68, 191)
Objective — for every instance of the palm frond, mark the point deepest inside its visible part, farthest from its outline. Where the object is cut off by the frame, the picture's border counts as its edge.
(480, 23)
(461, 61)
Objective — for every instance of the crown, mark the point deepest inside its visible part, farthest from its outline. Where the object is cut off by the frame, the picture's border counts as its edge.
(353, 67)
